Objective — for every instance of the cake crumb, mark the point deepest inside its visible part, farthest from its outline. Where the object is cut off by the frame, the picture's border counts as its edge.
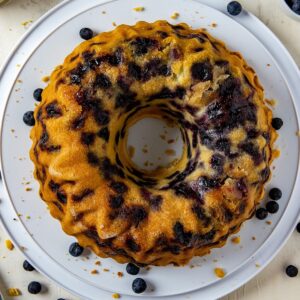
(269, 222)
(214, 25)
(9, 245)
(236, 240)
(98, 263)
(162, 136)
(175, 15)
(103, 12)
(116, 296)
(170, 152)
(298, 133)
(146, 163)
(28, 217)
(215, 260)
(106, 270)
(253, 238)
(148, 268)
(219, 272)
(271, 102)
(139, 9)
(19, 81)
(94, 272)
(192, 266)
(46, 79)
(114, 23)
(120, 274)
(13, 292)
(25, 23)
(131, 151)
(268, 65)
(257, 265)
(171, 141)
(28, 189)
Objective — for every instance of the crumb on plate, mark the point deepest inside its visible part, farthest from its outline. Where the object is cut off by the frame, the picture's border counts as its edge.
(139, 9)
(116, 296)
(175, 15)
(236, 240)
(219, 272)
(13, 292)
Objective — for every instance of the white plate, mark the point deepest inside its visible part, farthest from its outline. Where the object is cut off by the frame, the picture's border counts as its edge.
(46, 246)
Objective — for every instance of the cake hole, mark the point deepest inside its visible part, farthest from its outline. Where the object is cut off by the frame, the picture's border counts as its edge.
(153, 143)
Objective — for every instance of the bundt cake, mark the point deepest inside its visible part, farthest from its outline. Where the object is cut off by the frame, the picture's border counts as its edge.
(80, 153)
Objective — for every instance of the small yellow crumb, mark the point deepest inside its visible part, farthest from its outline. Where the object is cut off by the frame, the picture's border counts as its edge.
(215, 260)
(106, 270)
(268, 65)
(12, 130)
(46, 78)
(98, 263)
(114, 23)
(298, 133)
(19, 81)
(171, 141)
(9, 245)
(192, 266)
(175, 15)
(120, 274)
(12, 292)
(236, 240)
(28, 217)
(131, 151)
(269, 222)
(116, 296)
(257, 265)
(25, 23)
(94, 272)
(170, 152)
(253, 238)
(214, 25)
(28, 189)
(139, 9)
(219, 272)
(271, 102)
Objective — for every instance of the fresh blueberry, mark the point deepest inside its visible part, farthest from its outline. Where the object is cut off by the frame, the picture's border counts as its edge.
(275, 194)
(86, 33)
(132, 269)
(234, 8)
(277, 123)
(139, 285)
(272, 207)
(37, 94)
(261, 213)
(27, 266)
(298, 227)
(34, 287)
(291, 271)
(296, 7)
(28, 118)
(75, 249)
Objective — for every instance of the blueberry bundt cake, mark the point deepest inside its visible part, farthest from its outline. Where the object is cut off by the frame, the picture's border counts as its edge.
(80, 155)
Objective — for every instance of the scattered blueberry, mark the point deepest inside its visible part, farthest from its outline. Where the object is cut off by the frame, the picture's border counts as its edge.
(296, 7)
(139, 285)
(34, 287)
(75, 249)
(291, 271)
(298, 227)
(272, 207)
(261, 213)
(28, 118)
(86, 33)
(275, 194)
(37, 94)
(27, 266)
(132, 269)
(234, 8)
(277, 123)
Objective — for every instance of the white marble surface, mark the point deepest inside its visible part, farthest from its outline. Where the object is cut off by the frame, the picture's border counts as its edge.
(271, 283)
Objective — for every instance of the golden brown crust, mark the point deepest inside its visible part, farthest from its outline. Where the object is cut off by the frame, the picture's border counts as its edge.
(177, 73)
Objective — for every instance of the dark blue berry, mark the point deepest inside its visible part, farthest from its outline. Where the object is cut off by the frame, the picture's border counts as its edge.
(298, 227)
(34, 287)
(139, 285)
(27, 266)
(291, 271)
(116, 201)
(86, 33)
(75, 249)
(37, 95)
(234, 8)
(275, 194)
(261, 213)
(277, 123)
(272, 207)
(202, 71)
(296, 7)
(28, 118)
(132, 269)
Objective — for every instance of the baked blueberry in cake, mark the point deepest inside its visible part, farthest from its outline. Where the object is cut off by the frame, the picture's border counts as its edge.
(81, 126)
